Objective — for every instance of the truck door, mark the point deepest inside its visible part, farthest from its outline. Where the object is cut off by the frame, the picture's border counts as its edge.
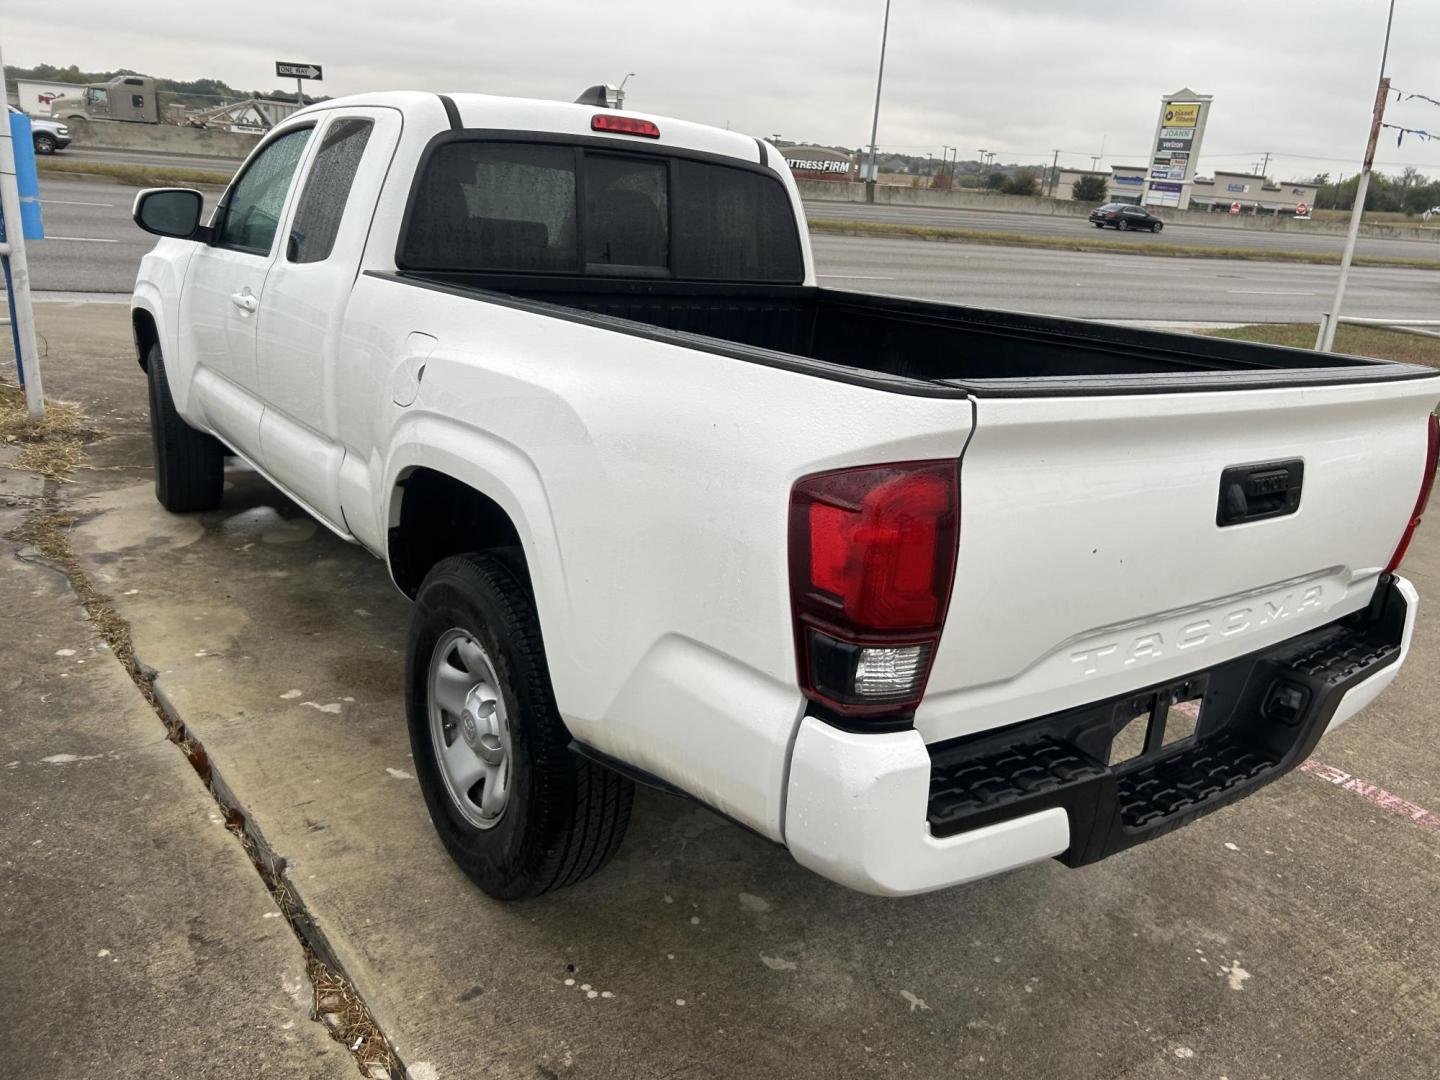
(224, 286)
(299, 330)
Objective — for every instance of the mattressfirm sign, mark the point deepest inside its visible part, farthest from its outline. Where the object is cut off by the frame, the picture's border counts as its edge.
(1182, 114)
(290, 70)
(818, 163)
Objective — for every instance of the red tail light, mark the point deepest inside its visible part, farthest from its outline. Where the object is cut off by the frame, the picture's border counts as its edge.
(1427, 482)
(872, 562)
(624, 125)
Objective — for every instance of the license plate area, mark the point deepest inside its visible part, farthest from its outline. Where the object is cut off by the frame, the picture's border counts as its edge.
(1149, 725)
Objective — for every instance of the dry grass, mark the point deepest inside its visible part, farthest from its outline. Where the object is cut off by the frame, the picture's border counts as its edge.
(1355, 340)
(1100, 244)
(51, 446)
(138, 175)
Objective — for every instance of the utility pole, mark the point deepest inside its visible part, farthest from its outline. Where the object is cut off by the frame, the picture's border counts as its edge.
(1325, 341)
(879, 82)
(12, 250)
(944, 156)
(983, 153)
(1265, 168)
(1054, 176)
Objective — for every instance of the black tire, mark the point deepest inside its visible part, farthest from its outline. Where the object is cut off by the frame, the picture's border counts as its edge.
(44, 143)
(1157, 226)
(565, 816)
(189, 464)
(1122, 225)
(1098, 224)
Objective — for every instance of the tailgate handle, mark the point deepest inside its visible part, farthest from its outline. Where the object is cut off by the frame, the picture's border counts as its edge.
(1255, 492)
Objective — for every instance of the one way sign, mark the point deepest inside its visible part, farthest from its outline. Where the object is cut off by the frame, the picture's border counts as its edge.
(297, 71)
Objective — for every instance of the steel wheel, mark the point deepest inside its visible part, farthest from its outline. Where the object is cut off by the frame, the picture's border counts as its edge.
(469, 728)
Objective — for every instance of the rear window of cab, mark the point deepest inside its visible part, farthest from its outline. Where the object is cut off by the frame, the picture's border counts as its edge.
(496, 206)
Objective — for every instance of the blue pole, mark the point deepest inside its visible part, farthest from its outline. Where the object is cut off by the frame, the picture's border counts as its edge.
(10, 304)
(26, 178)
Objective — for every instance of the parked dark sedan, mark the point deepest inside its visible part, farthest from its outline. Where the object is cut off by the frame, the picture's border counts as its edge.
(1123, 216)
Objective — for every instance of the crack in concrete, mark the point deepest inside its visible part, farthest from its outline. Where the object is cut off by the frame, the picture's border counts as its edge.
(335, 1001)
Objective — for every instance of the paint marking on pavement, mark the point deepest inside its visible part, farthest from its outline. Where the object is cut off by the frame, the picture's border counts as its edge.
(1378, 796)
(1268, 292)
(855, 277)
(84, 239)
(67, 202)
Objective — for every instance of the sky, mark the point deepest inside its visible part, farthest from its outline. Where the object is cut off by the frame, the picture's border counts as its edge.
(1021, 78)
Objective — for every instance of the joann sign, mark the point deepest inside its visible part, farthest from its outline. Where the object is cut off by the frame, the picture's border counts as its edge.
(817, 163)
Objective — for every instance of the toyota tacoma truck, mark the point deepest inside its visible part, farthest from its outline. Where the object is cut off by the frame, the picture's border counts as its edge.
(921, 592)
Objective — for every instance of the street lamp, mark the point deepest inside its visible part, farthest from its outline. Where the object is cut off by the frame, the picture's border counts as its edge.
(620, 90)
(879, 81)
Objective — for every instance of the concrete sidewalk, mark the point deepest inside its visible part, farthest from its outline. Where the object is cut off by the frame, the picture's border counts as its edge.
(136, 940)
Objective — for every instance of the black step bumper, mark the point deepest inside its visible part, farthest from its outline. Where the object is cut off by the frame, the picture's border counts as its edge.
(1259, 716)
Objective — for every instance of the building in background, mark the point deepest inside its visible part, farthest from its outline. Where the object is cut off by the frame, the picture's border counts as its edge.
(1127, 183)
(820, 163)
(1179, 131)
(1253, 194)
(1066, 178)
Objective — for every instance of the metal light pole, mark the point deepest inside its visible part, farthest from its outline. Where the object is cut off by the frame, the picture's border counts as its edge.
(879, 82)
(1054, 173)
(1325, 340)
(14, 250)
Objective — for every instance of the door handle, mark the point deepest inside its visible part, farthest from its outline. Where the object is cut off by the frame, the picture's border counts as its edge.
(245, 301)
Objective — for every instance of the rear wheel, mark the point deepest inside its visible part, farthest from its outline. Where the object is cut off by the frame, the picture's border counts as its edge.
(516, 809)
(189, 464)
(44, 143)
(1099, 224)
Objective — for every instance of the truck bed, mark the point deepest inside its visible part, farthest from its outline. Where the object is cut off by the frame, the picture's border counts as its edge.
(915, 342)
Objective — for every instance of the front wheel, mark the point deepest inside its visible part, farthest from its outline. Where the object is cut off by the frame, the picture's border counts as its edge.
(516, 809)
(44, 143)
(1157, 227)
(189, 464)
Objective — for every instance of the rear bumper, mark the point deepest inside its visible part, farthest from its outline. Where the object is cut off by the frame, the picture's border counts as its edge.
(886, 814)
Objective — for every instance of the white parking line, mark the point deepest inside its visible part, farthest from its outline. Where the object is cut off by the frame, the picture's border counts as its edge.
(1268, 292)
(67, 202)
(84, 239)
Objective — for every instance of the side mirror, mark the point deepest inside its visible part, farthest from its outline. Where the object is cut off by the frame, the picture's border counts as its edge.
(170, 212)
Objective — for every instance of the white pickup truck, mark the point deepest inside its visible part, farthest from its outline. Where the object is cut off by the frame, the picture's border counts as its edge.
(922, 592)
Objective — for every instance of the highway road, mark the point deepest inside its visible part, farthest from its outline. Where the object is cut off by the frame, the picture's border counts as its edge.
(94, 248)
(1053, 225)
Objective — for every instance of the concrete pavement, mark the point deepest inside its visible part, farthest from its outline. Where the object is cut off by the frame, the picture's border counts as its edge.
(1290, 936)
(136, 941)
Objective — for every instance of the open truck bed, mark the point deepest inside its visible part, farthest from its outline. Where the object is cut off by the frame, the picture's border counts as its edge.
(861, 336)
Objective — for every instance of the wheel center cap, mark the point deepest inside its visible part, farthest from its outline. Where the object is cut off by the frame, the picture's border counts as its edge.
(469, 729)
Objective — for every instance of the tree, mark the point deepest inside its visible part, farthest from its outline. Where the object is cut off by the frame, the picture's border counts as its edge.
(1022, 183)
(1091, 189)
(996, 180)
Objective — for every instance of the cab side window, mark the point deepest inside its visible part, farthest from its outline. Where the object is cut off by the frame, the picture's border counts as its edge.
(252, 211)
(327, 188)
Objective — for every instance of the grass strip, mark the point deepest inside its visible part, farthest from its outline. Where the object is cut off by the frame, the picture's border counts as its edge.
(138, 175)
(1356, 340)
(1098, 244)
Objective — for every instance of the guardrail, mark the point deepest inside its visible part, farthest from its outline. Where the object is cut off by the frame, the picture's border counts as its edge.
(1418, 327)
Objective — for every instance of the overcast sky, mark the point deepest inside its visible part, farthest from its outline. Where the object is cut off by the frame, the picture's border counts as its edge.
(1020, 77)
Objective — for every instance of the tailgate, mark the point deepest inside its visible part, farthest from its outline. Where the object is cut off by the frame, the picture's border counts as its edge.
(1091, 560)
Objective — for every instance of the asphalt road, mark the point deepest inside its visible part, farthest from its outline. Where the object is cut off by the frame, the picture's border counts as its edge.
(1212, 236)
(93, 247)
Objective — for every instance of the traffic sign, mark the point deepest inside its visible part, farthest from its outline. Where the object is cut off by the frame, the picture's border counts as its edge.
(286, 70)
(1302, 210)
(1234, 208)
